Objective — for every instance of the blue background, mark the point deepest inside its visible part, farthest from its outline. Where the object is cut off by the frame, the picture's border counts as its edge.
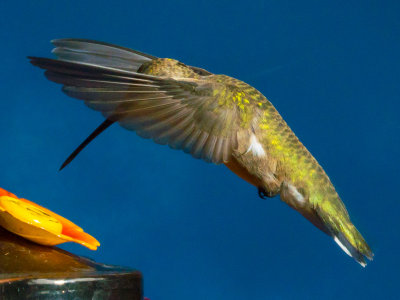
(195, 230)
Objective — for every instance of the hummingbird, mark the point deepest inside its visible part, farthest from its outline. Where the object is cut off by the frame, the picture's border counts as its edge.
(216, 118)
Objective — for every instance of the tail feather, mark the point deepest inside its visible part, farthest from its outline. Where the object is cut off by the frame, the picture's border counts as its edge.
(346, 235)
(356, 253)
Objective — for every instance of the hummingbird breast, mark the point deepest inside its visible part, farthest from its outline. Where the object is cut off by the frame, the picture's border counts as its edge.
(274, 159)
(298, 171)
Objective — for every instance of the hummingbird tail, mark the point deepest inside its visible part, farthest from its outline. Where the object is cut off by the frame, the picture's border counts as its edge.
(346, 235)
(354, 245)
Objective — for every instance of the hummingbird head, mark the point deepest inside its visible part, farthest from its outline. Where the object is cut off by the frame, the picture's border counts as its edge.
(167, 67)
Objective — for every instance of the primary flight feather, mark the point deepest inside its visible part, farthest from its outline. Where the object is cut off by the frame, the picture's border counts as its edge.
(217, 118)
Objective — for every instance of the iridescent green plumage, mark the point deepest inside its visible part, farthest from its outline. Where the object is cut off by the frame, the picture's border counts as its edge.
(213, 117)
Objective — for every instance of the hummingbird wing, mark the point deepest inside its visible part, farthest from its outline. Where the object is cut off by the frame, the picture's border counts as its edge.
(186, 114)
(99, 53)
(105, 54)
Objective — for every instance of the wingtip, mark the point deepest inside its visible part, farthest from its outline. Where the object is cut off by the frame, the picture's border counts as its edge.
(31, 59)
(56, 41)
(36, 61)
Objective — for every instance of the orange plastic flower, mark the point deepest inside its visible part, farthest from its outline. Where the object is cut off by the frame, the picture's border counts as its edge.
(38, 224)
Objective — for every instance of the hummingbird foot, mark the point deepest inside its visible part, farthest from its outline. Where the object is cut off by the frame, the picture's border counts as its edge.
(262, 193)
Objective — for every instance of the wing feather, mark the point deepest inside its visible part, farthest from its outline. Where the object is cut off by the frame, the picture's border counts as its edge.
(99, 53)
(180, 112)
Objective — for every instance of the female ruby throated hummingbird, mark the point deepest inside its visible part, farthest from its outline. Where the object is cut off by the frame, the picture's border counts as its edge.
(217, 118)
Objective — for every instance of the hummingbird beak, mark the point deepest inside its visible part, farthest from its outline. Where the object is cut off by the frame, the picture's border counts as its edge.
(103, 126)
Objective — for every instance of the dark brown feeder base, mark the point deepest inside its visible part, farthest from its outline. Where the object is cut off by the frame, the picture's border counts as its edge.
(30, 271)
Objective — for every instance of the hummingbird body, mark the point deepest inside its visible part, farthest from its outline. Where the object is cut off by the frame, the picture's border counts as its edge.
(217, 118)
